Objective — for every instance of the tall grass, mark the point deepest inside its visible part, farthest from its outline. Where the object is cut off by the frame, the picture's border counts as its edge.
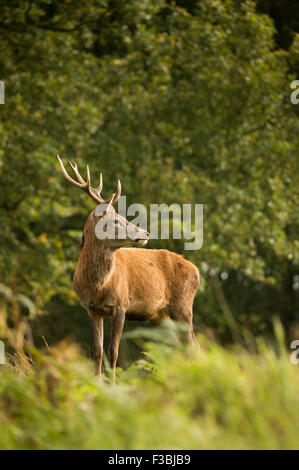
(173, 399)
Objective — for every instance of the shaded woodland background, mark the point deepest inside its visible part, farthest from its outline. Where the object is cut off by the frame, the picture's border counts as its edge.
(185, 102)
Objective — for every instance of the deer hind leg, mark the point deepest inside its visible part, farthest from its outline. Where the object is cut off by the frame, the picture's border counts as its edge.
(97, 323)
(118, 321)
(183, 315)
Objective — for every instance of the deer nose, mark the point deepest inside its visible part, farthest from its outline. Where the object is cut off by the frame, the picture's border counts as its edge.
(147, 234)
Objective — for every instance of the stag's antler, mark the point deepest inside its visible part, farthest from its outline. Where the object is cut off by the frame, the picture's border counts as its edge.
(94, 193)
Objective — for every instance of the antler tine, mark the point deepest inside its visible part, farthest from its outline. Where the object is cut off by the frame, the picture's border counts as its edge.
(98, 190)
(100, 187)
(76, 172)
(88, 177)
(86, 185)
(118, 193)
(67, 176)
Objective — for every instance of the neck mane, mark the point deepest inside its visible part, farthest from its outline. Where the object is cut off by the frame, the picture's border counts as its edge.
(95, 266)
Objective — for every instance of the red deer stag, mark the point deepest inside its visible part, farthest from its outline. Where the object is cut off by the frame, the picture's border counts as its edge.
(127, 283)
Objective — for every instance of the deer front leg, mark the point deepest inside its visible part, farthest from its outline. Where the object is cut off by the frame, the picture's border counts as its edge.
(97, 323)
(118, 321)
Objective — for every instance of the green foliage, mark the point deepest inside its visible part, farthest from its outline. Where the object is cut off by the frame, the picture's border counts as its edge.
(174, 399)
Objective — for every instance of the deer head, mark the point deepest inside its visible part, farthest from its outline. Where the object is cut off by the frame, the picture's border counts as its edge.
(104, 223)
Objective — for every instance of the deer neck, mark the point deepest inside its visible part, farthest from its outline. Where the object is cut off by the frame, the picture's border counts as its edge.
(95, 266)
